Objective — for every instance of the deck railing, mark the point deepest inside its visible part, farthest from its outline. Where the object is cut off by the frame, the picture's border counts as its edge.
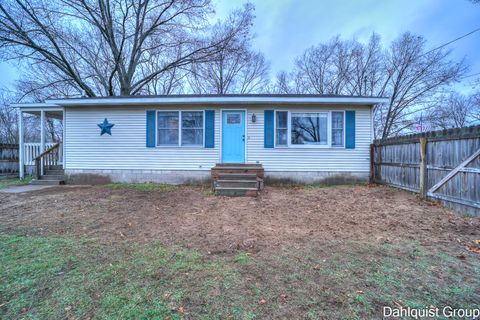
(32, 150)
(47, 159)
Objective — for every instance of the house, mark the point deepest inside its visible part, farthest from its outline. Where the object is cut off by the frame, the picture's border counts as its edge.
(180, 138)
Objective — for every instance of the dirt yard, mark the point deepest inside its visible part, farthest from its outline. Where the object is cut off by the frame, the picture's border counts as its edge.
(158, 252)
(192, 217)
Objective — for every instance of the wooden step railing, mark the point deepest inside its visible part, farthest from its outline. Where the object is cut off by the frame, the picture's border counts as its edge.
(50, 157)
(33, 149)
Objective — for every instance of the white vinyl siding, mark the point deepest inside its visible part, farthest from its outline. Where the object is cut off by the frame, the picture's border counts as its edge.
(126, 147)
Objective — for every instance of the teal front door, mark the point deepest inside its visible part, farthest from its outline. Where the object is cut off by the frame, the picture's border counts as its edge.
(233, 136)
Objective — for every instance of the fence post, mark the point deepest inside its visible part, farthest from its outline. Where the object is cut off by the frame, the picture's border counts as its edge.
(423, 167)
(372, 163)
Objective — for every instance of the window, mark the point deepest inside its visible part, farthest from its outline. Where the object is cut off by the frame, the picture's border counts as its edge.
(281, 125)
(177, 128)
(309, 128)
(192, 128)
(168, 128)
(233, 118)
(337, 129)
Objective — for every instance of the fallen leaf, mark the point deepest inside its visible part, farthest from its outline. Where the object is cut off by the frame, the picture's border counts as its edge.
(316, 267)
(473, 249)
(262, 301)
(180, 310)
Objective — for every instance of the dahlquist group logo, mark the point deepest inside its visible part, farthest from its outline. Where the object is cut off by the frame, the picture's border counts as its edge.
(431, 312)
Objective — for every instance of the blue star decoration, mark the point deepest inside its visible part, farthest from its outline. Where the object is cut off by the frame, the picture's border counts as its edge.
(106, 127)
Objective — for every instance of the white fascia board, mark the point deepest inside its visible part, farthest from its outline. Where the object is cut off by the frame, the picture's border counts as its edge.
(215, 100)
(45, 105)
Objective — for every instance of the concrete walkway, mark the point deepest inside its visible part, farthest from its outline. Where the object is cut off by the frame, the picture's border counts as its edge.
(24, 188)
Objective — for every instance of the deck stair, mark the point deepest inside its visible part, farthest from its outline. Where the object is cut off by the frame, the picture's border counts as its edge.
(53, 175)
(237, 179)
(48, 170)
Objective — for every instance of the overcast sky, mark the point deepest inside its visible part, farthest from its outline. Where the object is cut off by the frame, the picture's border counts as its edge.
(285, 28)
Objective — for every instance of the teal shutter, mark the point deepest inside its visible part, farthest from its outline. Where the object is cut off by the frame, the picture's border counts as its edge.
(350, 129)
(268, 128)
(150, 129)
(209, 128)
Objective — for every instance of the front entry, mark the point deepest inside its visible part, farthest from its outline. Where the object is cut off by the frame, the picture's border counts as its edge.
(233, 136)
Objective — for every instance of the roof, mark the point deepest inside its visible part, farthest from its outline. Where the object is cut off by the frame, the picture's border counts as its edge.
(210, 99)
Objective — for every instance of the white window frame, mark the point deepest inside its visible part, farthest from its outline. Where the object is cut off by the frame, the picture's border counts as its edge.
(344, 127)
(275, 129)
(308, 146)
(179, 145)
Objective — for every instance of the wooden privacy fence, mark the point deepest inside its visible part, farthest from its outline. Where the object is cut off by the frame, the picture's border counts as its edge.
(8, 160)
(440, 165)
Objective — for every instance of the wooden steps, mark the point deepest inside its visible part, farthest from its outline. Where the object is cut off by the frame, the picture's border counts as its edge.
(237, 179)
(54, 175)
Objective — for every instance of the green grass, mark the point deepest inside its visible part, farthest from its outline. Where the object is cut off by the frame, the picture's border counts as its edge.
(142, 187)
(242, 258)
(208, 193)
(4, 183)
(58, 277)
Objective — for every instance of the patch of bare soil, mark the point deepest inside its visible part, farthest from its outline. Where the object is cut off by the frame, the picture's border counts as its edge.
(278, 217)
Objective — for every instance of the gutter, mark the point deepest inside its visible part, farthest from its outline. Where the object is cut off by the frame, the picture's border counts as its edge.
(228, 100)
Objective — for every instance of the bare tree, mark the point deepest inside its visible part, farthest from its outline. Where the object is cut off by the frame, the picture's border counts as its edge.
(170, 82)
(231, 73)
(9, 123)
(404, 72)
(337, 67)
(413, 78)
(234, 69)
(103, 47)
(285, 84)
(451, 111)
(475, 99)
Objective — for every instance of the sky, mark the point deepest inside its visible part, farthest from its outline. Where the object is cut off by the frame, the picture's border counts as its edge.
(283, 29)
